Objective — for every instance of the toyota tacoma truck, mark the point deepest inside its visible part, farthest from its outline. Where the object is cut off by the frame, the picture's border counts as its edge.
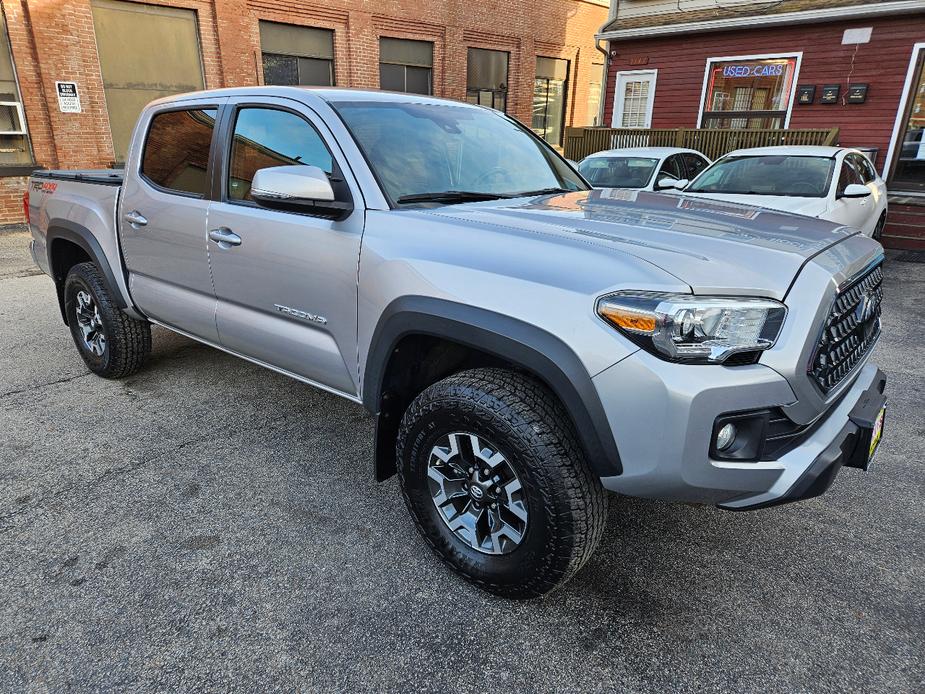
(526, 344)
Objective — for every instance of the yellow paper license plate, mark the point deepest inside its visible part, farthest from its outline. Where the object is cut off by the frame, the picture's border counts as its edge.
(876, 434)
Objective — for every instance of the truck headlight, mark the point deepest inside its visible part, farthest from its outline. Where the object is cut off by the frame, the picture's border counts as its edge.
(696, 329)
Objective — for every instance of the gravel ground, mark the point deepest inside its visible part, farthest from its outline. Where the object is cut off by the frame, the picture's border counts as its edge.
(210, 525)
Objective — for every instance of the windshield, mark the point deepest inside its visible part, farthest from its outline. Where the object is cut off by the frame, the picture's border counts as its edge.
(807, 177)
(618, 172)
(420, 149)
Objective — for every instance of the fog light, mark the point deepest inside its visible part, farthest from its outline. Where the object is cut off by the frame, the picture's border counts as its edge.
(725, 436)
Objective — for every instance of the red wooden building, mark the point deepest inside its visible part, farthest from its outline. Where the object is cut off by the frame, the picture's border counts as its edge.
(852, 64)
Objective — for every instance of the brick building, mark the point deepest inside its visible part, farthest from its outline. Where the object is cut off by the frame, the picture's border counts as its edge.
(535, 60)
(855, 65)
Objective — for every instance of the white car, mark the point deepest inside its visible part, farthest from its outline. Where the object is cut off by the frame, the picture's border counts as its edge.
(643, 168)
(833, 183)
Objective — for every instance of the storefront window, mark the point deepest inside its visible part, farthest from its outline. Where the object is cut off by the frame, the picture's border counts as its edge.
(14, 141)
(297, 55)
(550, 87)
(909, 173)
(748, 94)
(486, 78)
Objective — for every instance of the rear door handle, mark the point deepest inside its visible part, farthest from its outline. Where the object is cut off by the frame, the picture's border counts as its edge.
(136, 219)
(225, 237)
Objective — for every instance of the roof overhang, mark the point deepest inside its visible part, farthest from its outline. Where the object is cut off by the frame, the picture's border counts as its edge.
(756, 21)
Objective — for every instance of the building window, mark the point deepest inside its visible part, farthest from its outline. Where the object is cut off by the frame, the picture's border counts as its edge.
(406, 66)
(486, 78)
(752, 92)
(176, 154)
(14, 141)
(297, 55)
(146, 52)
(550, 87)
(634, 98)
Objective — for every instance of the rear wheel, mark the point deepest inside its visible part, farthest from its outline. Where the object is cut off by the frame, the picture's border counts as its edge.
(497, 483)
(112, 344)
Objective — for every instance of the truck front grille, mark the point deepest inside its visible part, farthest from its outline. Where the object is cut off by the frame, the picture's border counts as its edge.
(850, 331)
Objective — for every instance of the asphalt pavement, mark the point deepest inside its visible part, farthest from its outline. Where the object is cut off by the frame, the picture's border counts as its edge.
(210, 525)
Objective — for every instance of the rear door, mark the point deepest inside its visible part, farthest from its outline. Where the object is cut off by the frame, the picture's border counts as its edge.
(287, 290)
(162, 216)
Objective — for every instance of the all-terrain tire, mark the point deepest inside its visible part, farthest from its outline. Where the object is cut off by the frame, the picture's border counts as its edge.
(126, 341)
(521, 418)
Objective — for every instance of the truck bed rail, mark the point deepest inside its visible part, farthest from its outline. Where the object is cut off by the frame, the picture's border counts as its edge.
(108, 177)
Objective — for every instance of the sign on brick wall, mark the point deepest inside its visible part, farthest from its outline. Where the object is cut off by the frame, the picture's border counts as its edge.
(68, 97)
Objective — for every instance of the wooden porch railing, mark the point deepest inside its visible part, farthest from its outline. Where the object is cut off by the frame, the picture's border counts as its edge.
(580, 142)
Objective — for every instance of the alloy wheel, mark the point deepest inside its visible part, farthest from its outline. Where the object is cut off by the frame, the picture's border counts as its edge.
(90, 323)
(477, 493)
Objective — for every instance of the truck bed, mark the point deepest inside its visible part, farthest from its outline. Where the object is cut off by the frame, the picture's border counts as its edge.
(78, 207)
(108, 177)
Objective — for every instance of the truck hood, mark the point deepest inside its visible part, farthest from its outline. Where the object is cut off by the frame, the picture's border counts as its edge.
(714, 247)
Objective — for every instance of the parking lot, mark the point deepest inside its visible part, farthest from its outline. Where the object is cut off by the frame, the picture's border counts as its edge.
(207, 524)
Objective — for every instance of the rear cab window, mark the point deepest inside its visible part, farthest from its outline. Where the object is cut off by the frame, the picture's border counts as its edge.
(176, 153)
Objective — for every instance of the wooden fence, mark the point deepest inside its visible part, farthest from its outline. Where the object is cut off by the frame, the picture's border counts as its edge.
(580, 142)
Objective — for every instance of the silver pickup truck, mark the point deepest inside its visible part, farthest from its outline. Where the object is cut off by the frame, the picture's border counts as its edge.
(525, 343)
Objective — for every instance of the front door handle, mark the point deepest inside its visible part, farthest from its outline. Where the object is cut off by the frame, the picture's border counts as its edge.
(136, 219)
(225, 237)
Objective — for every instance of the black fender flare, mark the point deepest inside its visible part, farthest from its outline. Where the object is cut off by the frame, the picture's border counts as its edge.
(522, 344)
(82, 237)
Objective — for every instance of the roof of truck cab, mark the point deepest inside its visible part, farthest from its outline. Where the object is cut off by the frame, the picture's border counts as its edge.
(328, 94)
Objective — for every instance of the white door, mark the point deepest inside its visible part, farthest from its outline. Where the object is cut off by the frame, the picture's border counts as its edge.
(860, 213)
(633, 99)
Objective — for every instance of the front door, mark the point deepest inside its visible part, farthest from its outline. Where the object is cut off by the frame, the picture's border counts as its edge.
(287, 286)
(860, 213)
(162, 218)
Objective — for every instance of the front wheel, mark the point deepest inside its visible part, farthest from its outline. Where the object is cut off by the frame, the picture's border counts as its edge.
(497, 483)
(878, 230)
(112, 344)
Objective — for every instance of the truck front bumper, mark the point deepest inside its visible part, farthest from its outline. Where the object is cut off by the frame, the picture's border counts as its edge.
(662, 416)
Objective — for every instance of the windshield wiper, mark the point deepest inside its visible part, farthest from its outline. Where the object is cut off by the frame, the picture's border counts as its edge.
(541, 191)
(452, 196)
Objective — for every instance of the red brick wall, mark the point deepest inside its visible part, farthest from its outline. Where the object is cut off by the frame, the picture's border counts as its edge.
(882, 63)
(54, 40)
(11, 190)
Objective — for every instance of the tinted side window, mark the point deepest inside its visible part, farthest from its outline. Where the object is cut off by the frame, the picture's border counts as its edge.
(672, 167)
(176, 152)
(695, 164)
(265, 137)
(864, 167)
(849, 174)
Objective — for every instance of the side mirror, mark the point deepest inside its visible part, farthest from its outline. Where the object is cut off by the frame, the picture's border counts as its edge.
(855, 190)
(668, 183)
(298, 188)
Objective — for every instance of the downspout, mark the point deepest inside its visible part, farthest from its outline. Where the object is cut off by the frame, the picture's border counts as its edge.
(604, 79)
